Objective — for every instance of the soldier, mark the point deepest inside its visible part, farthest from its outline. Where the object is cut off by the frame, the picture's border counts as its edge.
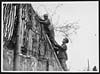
(45, 22)
(62, 56)
(47, 27)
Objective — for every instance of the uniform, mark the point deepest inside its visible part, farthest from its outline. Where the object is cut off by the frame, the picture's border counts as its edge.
(45, 23)
(47, 27)
(62, 56)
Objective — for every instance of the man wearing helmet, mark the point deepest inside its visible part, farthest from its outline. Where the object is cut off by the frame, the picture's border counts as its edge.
(45, 22)
(62, 55)
(47, 27)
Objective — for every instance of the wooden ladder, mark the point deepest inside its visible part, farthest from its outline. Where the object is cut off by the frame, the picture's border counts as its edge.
(47, 38)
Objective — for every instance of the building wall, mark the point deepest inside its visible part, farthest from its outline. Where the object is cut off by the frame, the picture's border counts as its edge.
(40, 56)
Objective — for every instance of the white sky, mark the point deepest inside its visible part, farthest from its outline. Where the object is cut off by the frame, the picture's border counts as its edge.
(85, 43)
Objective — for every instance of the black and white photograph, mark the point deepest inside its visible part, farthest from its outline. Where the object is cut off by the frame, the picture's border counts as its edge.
(50, 36)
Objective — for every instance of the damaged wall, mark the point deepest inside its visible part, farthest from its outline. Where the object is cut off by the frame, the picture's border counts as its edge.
(37, 54)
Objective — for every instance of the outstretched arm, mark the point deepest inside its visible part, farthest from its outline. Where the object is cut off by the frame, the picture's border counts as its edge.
(41, 20)
(61, 47)
(58, 46)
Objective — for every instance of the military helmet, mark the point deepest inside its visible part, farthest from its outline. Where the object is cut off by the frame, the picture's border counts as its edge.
(66, 40)
(45, 15)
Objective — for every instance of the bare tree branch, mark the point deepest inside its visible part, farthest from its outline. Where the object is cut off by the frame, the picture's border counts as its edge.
(68, 29)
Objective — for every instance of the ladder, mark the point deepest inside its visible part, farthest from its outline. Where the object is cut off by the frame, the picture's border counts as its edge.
(47, 38)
